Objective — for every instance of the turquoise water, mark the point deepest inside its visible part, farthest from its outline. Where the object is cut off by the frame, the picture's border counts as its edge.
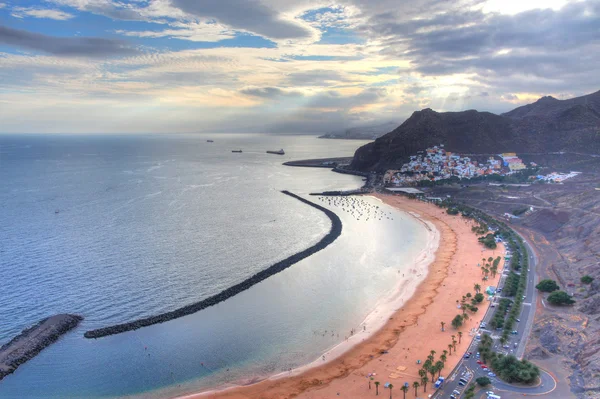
(147, 224)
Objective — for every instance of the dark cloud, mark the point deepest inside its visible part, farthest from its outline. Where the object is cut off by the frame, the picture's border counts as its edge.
(250, 15)
(64, 46)
(270, 92)
(541, 44)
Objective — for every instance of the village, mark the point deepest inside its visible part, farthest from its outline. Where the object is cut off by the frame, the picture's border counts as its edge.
(435, 163)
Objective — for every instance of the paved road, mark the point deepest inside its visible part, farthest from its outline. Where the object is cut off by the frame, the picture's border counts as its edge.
(471, 370)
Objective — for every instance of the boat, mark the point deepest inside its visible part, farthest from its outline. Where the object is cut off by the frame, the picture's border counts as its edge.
(56, 211)
(209, 141)
(280, 152)
(236, 150)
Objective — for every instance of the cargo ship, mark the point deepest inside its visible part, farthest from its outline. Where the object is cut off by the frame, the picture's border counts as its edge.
(280, 152)
(236, 150)
(209, 141)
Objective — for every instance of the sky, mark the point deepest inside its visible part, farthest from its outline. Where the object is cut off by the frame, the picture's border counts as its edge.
(283, 66)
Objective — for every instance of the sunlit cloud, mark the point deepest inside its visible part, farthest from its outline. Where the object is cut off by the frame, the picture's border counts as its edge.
(24, 12)
(298, 66)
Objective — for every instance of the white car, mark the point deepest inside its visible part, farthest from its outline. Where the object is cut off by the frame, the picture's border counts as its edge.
(490, 374)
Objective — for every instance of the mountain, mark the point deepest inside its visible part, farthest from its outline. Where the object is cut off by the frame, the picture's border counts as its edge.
(545, 126)
(362, 132)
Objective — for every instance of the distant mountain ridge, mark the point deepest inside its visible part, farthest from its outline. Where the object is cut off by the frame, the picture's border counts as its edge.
(544, 126)
(362, 132)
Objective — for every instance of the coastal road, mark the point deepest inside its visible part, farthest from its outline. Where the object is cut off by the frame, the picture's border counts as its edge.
(469, 369)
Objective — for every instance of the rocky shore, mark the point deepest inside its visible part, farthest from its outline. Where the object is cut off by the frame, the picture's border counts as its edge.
(334, 233)
(33, 340)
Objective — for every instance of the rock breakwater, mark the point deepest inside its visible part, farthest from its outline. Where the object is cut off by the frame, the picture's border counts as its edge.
(331, 236)
(33, 340)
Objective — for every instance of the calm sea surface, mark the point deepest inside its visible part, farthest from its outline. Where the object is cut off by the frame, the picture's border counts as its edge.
(146, 224)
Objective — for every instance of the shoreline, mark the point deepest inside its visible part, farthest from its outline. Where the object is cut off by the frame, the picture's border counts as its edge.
(344, 362)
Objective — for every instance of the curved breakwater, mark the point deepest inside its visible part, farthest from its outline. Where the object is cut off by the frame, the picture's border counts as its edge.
(331, 236)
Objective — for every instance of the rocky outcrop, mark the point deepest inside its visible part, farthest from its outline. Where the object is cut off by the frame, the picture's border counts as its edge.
(33, 340)
(334, 233)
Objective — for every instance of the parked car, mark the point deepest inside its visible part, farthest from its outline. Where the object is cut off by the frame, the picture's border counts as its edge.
(514, 332)
(479, 362)
(518, 320)
(491, 374)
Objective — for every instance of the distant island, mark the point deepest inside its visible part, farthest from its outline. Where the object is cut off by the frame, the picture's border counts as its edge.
(370, 132)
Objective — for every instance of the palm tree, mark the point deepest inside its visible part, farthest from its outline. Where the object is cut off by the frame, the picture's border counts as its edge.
(377, 387)
(422, 373)
(432, 353)
(465, 316)
(477, 288)
(443, 358)
(459, 336)
(442, 323)
(444, 352)
(415, 386)
(370, 379)
(450, 347)
(390, 386)
(439, 365)
(432, 371)
(404, 389)
(424, 381)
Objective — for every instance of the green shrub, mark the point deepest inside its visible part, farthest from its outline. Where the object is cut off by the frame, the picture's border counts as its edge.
(547, 286)
(483, 381)
(511, 369)
(560, 298)
(587, 279)
(457, 321)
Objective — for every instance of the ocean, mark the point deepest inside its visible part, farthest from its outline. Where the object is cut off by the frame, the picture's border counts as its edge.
(115, 228)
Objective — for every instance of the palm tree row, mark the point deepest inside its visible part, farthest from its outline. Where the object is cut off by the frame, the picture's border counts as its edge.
(430, 366)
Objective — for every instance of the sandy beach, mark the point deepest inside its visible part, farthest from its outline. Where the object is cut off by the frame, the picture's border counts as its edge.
(401, 332)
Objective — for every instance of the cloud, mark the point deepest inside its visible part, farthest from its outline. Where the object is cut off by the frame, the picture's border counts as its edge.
(335, 100)
(316, 77)
(248, 15)
(64, 46)
(108, 8)
(22, 12)
(270, 92)
(192, 31)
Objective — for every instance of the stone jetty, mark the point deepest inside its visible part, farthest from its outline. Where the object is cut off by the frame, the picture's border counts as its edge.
(33, 340)
(334, 232)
